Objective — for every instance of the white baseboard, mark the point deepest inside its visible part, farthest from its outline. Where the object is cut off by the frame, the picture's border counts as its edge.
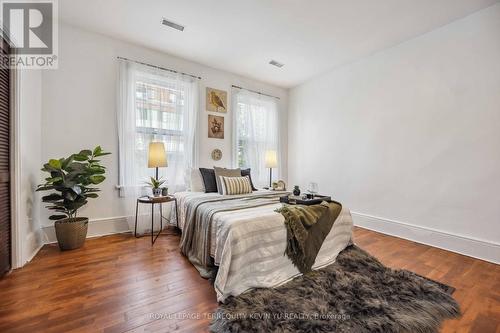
(468, 246)
(96, 228)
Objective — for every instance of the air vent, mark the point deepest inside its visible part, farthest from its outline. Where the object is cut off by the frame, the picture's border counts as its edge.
(275, 63)
(171, 24)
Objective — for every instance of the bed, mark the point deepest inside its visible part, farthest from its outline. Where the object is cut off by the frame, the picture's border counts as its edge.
(241, 239)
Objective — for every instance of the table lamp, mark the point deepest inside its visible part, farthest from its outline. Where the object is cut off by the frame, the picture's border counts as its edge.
(271, 162)
(157, 156)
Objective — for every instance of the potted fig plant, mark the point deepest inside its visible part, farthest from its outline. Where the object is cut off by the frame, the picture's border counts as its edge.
(72, 181)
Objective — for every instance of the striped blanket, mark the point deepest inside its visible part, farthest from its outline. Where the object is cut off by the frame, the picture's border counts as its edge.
(246, 239)
(195, 239)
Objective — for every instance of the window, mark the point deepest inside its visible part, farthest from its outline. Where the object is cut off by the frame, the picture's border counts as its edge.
(155, 105)
(256, 128)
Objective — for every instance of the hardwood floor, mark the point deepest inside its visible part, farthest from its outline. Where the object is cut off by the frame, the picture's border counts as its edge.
(121, 284)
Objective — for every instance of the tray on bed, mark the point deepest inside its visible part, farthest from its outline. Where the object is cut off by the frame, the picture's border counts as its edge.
(298, 200)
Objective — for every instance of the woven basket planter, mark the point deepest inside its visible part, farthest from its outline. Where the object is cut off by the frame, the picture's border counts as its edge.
(71, 232)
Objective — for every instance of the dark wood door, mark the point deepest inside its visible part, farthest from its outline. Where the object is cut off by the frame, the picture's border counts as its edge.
(5, 226)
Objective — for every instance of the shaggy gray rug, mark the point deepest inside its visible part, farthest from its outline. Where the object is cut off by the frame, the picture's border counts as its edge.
(355, 294)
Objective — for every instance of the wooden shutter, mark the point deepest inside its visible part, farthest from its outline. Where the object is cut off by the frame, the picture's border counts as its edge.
(5, 233)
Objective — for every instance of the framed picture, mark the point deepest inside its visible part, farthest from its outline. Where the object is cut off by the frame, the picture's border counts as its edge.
(215, 127)
(216, 100)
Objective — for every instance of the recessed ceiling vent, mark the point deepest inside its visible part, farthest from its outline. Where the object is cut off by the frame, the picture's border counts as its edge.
(275, 63)
(171, 24)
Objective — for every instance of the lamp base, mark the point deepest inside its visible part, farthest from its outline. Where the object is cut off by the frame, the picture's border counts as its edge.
(270, 177)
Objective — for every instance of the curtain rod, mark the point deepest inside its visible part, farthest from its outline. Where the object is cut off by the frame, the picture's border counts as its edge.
(256, 92)
(158, 67)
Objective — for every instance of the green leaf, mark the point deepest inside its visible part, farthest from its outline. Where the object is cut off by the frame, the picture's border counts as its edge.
(91, 195)
(57, 208)
(101, 154)
(44, 187)
(57, 217)
(67, 161)
(85, 152)
(56, 164)
(97, 171)
(53, 180)
(80, 157)
(52, 197)
(97, 150)
(97, 179)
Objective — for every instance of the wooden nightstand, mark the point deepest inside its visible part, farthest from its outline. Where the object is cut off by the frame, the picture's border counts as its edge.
(152, 201)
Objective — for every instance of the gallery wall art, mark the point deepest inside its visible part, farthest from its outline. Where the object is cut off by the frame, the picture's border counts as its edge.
(215, 127)
(216, 100)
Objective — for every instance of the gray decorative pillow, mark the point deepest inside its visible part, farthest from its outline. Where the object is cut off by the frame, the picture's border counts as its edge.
(225, 173)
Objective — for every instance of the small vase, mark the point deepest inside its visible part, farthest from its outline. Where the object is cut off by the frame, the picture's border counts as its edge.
(296, 191)
(164, 191)
(157, 192)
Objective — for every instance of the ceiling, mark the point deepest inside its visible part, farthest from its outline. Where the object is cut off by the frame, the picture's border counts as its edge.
(308, 36)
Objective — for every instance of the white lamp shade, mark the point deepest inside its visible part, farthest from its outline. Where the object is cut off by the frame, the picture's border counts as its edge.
(271, 159)
(157, 156)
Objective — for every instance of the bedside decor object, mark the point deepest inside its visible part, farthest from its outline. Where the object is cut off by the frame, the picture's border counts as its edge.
(155, 185)
(215, 127)
(72, 181)
(216, 154)
(317, 199)
(164, 191)
(152, 201)
(157, 157)
(281, 186)
(216, 100)
(274, 186)
(271, 161)
(313, 188)
(296, 190)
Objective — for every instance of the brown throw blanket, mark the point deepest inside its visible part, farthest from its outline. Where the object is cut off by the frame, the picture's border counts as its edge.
(307, 228)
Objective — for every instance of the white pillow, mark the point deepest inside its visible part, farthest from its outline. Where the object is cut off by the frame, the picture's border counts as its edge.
(196, 181)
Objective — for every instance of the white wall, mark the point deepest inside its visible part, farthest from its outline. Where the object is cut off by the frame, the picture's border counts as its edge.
(27, 216)
(411, 135)
(79, 109)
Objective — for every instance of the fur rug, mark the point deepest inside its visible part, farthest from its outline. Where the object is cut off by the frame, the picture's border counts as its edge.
(355, 294)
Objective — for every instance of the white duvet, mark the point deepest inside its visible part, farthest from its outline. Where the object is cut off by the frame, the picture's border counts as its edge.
(249, 244)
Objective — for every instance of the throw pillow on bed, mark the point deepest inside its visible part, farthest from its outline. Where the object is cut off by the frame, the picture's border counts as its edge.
(196, 181)
(225, 173)
(209, 181)
(235, 185)
(246, 172)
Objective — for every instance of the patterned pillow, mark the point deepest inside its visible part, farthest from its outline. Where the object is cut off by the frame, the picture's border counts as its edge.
(235, 185)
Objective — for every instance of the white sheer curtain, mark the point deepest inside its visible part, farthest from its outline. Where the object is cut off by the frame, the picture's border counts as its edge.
(256, 130)
(155, 105)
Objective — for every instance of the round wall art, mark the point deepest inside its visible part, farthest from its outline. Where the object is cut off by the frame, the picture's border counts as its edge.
(216, 154)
